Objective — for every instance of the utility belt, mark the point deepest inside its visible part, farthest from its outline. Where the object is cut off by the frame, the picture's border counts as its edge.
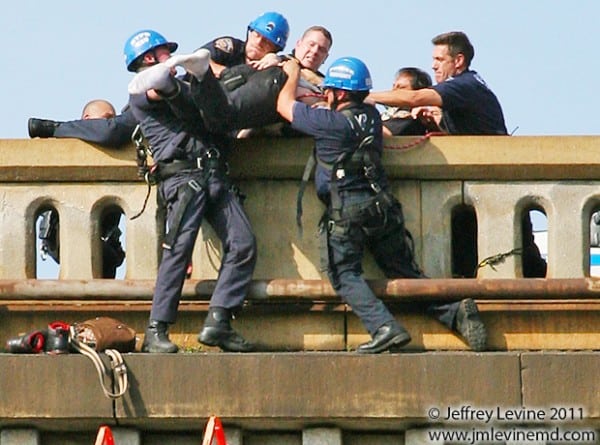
(378, 217)
(357, 213)
(209, 162)
(339, 223)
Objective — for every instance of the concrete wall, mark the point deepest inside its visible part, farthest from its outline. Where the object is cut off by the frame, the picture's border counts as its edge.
(500, 177)
(305, 397)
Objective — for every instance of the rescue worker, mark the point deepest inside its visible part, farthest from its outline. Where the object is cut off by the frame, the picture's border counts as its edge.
(192, 178)
(469, 107)
(398, 121)
(361, 212)
(112, 132)
(113, 254)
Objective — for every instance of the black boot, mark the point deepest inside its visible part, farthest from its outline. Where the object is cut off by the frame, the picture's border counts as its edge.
(217, 331)
(57, 338)
(387, 336)
(31, 343)
(41, 128)
(157, 338)
(470, 326)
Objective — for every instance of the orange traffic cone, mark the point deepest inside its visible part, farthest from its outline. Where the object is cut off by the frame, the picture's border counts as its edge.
(105, 436)
(214, 430)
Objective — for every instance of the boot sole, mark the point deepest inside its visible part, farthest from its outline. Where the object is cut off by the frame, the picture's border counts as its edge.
(473, 331)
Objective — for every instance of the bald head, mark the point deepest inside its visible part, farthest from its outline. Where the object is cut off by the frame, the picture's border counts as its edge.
(98, 109)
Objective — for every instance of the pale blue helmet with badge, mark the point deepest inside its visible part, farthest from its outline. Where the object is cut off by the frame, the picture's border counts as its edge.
(273, 26)
(141, 42)
(348, 73)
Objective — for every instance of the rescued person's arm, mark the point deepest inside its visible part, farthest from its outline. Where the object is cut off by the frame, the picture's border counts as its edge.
(287, 95)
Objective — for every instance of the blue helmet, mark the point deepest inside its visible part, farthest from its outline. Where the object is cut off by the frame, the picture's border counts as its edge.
(272, 26)
(348, 73)
(141, 42)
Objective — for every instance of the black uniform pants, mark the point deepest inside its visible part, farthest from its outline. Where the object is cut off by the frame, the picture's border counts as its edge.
(222, 209)
(384, 234)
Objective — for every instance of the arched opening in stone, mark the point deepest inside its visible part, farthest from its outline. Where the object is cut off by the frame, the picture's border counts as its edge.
(47, 242)
(113, 241)
(464, 242)
(534, 236)
(594, 266)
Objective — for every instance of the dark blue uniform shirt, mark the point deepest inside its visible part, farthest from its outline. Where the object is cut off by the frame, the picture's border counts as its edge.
(172, 128)
(112, 132)
(469, 106)
(334, 136)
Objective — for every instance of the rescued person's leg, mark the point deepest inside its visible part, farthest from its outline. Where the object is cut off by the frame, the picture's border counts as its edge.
(157, 77)
(196, 64)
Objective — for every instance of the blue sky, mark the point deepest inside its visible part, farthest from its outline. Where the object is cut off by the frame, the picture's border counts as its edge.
(60, 54)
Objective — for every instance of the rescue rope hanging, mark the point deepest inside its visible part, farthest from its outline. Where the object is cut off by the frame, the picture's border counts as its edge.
(498, 258)
(142, 149)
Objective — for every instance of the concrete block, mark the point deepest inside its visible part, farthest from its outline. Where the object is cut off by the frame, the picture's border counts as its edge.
(276, 438)
(126, 436)
(234, 435)
(42, 387)
(563, 384)
(322, 436)
(242, 388)
(19, 436)
(439, 198)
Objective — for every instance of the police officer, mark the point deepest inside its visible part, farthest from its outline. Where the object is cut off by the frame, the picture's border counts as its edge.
(113, 254)
(192, 178)
(112, 132)
(398, 121)
(361, 212)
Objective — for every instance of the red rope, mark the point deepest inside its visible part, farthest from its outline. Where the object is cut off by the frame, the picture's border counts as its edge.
(416, 142)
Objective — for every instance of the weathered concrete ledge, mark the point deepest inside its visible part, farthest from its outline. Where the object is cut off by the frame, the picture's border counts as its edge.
(439, 157)
(291, 391)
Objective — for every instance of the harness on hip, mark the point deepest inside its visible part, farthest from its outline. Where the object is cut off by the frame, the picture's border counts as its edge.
(207, 164)
(209, 161)
(142, 151)
(362, 160)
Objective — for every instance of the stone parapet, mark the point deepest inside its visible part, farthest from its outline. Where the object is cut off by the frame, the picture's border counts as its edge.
(499, 177)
